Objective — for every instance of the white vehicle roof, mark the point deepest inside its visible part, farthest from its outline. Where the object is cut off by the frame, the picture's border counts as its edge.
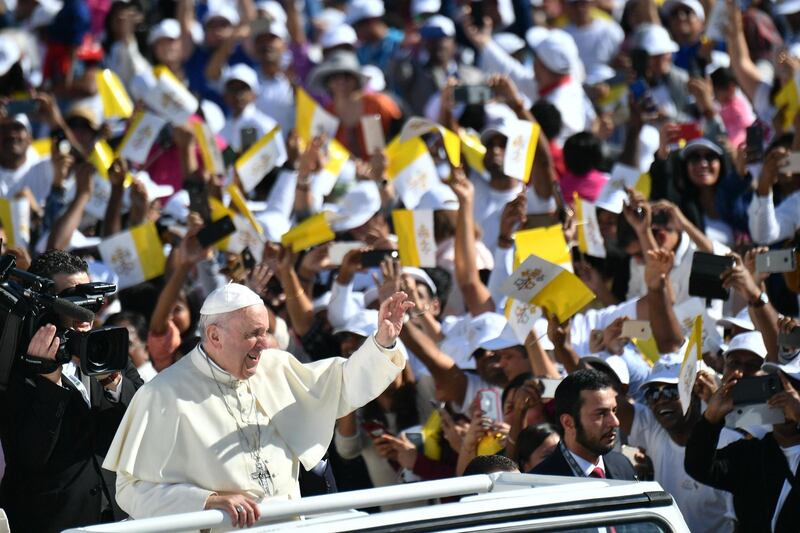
(495, 502)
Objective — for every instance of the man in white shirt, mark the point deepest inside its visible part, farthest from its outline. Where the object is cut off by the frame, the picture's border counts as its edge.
(275, 92)
(597, 38)
(247, 124)
(20, 167)
(768, 223)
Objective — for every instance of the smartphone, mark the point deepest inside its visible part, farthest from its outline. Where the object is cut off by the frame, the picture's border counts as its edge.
(248, 260)
(640, 91)
(216, 231)
(229, 156)
(472, 94)
(372, 130)
(248, 136)
(689, 131)
(754, 143)
(776, 261)
(755, 389)
(374, 429)
(637, 329)
(373, 258)
(489, 400)
(477, 12)
(337, 250)
(549, 386)
(744, 416)
(704, 278)
(416, 438)
(22, 106)
(65, 147)
(198, 198)
(790, 340)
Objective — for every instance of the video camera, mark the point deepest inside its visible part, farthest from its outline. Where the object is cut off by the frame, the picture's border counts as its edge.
(26, 304)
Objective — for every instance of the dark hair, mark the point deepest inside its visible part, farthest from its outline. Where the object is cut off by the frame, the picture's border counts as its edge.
(722, 78)
(54, 262)
(136, 320)
(489, 464)
(784, 141)
(530, 438)
(625, 233)
(515, 383)
(568, 393)
(443, 282)
(549, 118)
(583, 152)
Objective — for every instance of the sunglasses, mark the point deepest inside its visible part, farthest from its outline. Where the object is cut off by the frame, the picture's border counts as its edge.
(702, 156)
(666, 392)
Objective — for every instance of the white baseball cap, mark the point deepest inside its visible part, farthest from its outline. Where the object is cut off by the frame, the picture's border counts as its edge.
(329, 18)
(420, 275)
(614, 363)
(482, 329)
(664, 371)
(655, 40)
(557, 51)
(274, 11)
(509, 42)
(506, 339)
(536, 35)
(437, 27)
(791, 369)
(364, 323)
(787, 7)
(340, 35)
(751, 341)
(224, 11)
(741, 320)
(440, 197)
(422, 7)
(694, 5)
(374, 80)
(228, 298)
(359, 205)
(264, 26)
(166, 29)
(364, 9)
(243, 73)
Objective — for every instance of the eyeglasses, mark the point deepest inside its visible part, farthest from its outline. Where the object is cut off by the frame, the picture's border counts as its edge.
(666, 392)
(696, 157)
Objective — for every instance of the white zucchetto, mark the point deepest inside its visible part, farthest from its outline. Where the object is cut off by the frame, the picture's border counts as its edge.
(229, 298)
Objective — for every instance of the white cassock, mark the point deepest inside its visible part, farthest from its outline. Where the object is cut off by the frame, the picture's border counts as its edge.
(178, 442)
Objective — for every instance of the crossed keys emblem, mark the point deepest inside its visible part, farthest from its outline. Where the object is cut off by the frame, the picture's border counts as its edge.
(123, 262)
(528, 278)
(516, 147)
(424, 235)
(143, 135)
(523, 314)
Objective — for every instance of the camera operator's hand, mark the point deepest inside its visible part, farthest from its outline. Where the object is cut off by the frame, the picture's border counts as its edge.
(44, 344)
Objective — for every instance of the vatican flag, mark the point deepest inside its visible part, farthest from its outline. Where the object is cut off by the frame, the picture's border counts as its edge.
(590, 240)
(15, 216)
(412, 169)
(170, 98)
(115, 99)
(310, 232)
(418, 126)
(135, 255)
(632, 178)
(209, 150)
(142, 132)
(691, 358)
(266, 154)
(523, 137)
(548, 285)
(324, 180)
(312, 120)
(416, 242)
(239, 202)
(474, 151)
(547, 242)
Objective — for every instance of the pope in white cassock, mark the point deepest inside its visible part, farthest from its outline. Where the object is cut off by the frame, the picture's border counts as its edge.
(229, 424)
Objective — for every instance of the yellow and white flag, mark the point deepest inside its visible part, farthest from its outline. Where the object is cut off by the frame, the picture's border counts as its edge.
(691, 356)
(590, 240)
(115, 99)
(523, 137)
(266, 154)
(687, 311)
(310, 232)
(209, 150)
(142, 132)
(474, 151)
(311, 119)
(324, 180)
(135, 255)
(548, 285)
(787, 101)
(43, 146)
(548, 243)
(412, 169)
(170, 98)
(632, 178)
(418, 126)
(15, 217)
(522, 316)
(416, 242)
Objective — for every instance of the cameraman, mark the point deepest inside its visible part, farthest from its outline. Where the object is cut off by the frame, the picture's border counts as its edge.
(56, 427)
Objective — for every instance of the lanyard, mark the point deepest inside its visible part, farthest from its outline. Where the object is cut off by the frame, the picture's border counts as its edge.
(573, 464)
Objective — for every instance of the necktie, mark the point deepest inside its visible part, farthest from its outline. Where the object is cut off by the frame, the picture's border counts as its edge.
(597, 472)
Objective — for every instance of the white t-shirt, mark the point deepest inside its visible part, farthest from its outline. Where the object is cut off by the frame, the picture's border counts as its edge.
(597, 42)
(251, 117)
(703, 508)
(276, 99)
(489, 204)
(35, 173)
(792, 454)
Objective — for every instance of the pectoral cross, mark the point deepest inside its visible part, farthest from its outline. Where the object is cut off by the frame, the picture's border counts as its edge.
(263, 476)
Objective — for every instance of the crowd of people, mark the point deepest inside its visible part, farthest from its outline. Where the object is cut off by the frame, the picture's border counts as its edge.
(325, 133)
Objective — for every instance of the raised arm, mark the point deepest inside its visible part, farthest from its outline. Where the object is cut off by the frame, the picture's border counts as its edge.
(679, 220)
(61, 232)
(449, 378)
(116, 175)
(477, 297)
(746, 72)
(667, 330)
(541, 364)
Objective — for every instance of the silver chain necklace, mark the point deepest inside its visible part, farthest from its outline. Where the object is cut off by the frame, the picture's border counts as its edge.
(262, 475)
